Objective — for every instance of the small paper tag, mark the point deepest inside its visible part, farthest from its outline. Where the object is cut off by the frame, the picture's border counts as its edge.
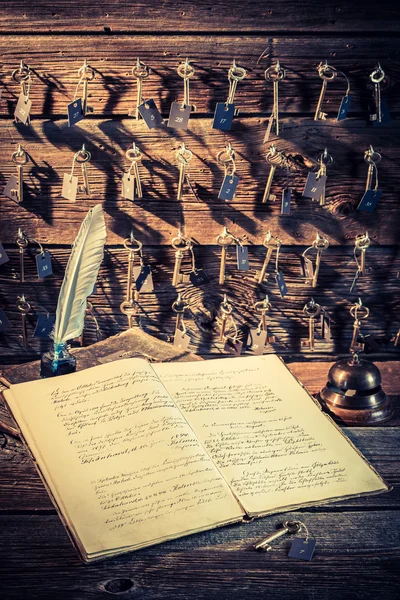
(228, 187)
(385, 114)
(70, 187)
(23, 109)
(75, 112)
(3, 255)
(143, 278)
(314, 187)
(150, 113)
(223, 116)
(11, 189)
(286, 197)
(198, 277)
(44, 325)
(128, 186)
(302, 549)
(179, 116)
(269, 129)
(43, 264)
(369, 200)
(370, 343)
(280, 280)
(256, 341)
(344, 108)
(181, 340)
(242, 255)
(233, 347)
(4, 322)
(307, 267)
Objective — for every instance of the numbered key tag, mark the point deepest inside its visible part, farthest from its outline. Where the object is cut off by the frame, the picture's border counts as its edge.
(233, 346)
(70, 187)
(256, 341)
(385, 114)
(315, 186)
(143, 279)
(3, 255)
(75, 112)
(302, 549)
(23, 109)
(150, 113)
(280, 280)
(179, 116)
(198, 277)
(228, 187)
(43, 264)
(223, 116)
(242, 255)
(370, 343)
(4, 322)
(11, 189)
(344, 108)
(286, 197)
(369, 201)
(44, 325)
(128, 186)
(181, 340)
(307, 267)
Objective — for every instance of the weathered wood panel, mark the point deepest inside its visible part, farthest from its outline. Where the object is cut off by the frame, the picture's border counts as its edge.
(285, 320)
(202, 15)
(44, 214)
(37, 555)
(55, 62)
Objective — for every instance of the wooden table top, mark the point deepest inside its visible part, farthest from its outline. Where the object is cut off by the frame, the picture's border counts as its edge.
(357, 553)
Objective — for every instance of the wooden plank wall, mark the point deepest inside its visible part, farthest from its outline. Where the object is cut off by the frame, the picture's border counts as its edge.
(54, 38)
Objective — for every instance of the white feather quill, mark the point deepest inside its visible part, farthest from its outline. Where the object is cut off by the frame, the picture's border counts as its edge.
(80, 277)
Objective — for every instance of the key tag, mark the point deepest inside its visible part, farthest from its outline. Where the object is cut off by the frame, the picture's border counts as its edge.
(24, 308)
(303, 548)
(381, 115)
(196, 276)
(328, 73)
(326, 325)
(70, 182)
(183, 157)
(275, 159)
(146, 109)
(181, 339)
(225, 111)
(258, 338)
(44, 325)
(316, 181)
(14, 188)
(22, 243)
(371, 195)
(142, 275)
(311, 271)
(362, 242)
(276, 74)
(3, 255)
(4, 321)
(226, 158)
(78, 108)
(131, 179)
(23, 77)
(43, 262)
(180, 111)
(312, 310)
(279, 277)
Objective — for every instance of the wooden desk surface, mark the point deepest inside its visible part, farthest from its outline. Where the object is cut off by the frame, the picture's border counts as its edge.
(357, 554)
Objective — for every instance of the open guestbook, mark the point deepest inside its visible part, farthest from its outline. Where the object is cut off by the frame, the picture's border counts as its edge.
(134, 453)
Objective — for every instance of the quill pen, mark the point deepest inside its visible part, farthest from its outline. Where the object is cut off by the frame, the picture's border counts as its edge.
(80, 277)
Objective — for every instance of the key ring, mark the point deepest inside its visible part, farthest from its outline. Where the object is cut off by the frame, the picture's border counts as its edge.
(179, 242)
(262, 306)
(179, 303)
(21, 74)
(183, 155)
(22, 241)
(86, 72)
(222, 238)
(131, 240)
(326, 158)
(362, 241)
(371, 157)
(23, 305)
(312, 309)
(133, 153)
(19, 157)
(229, 152)
(275, 73)
(326, 72)
(359, 307)
(273, 157)
(226, 307)
(82, 155)
(140, 70)
(378, 75)
(185, 70)
(320, 242)
(270, 241)
(236, 73)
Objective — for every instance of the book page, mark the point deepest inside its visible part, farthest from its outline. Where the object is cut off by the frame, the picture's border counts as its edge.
(273, 444)
(121, 461)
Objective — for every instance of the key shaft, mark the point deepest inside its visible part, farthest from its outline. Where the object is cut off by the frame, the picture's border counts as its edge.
(20, 179)
(182, 172)
(224, 251)
(269, 184)
(177, 267)
(265, 265)
(86, 186)
(318, 112)
(276, 106)
(137, 180)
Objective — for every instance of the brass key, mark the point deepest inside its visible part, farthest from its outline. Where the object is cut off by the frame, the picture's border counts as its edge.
(275, 74)
(23, 77)
(22, 242)
(128, 307)
(327, 73)
(274, 159)
(324, 160)
(359, 312)
(271, 243)
(24, 307)
(82, 157)
(372, 158)
(183, 157)
(224, 240)
(179, 244)
(288, 527)
(135, 156)
(361, 244)
(377, 76)
(226, 309)
(20, 158)
(141, 72)
(312, 310)
(86, 74)
(320, 243)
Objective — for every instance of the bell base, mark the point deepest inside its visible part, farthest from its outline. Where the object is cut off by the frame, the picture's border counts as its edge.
(370, 415)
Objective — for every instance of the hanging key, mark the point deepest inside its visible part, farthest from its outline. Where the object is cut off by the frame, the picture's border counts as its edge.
(22, 243)
(258, 337)
(359, 312)
(86, 73)
(324, 160)
(372, 194)
(311, 272)
(23, 107)
(181, 339)
(377, 76)
(226, 309)
(362, 242)
(180, 111)
(70, 186)
(371, 158)
(183, 156)
(128, 307)
(24, 308)
(180, 244)
(225, 111)
(272, 244)
(311, 310)
(275, 74)
(287, 527)
(226, 158)
(131, 180)
(274, 159)
(14, 188)
(141, 72)
(224, 240)
(327, 73)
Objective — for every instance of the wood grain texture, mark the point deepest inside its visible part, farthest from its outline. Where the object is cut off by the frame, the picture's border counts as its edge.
(285, 319)
(55, 62)
(44, 214)
(203, 15)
